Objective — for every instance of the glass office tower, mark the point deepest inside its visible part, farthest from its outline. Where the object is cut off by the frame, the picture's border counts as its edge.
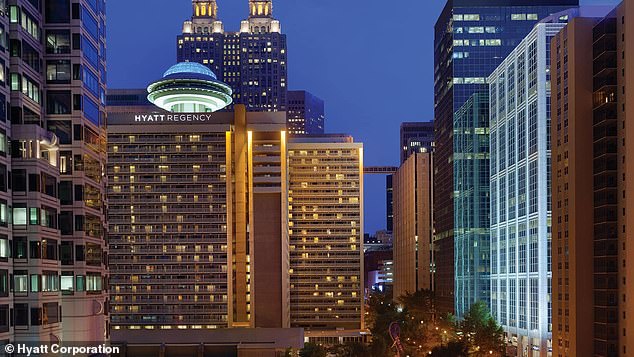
(520, 192)
(471, 40)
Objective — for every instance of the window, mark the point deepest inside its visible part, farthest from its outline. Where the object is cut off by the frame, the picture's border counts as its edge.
(20, 248)
(21, 313)
(3, 36)
(91, 82)
(30, 25)
(49, 185)
(34, 216)
(57, 41)
(20, 282)
(57, 11)
(90, 23)
(4, 283)
(58, 72)
(18, 177)
(49, 217)
(19, 216)
(4, 213)
(50, 313)
(67, 282)
(93, 254)
(30, 89)
(66, 253)
(50, 281)
(4, 248)
(61, 128)
(49, 249)
(93, 282)
(3, 178)
(36, 316)
(31, 56)
(66, 222)
(4, 318)
(90, 52)
(80, 283)
(91, 110)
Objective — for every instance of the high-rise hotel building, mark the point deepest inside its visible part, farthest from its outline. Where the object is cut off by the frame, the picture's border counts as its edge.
(325, 214)
(305, 113)
(592, 195)
(252, 60)
(53, 251)
(219, 223)
(199, 229)
(472, 37)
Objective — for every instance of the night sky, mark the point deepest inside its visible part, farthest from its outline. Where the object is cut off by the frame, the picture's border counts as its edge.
(371, 61)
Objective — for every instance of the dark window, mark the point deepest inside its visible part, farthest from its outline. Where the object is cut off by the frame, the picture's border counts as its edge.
(4, 283)
(49, 249)
(75, 11)
(21, 312)
(79, 193)
(77, 102)
(57, 11)
(35, 250)
(36, 316)
(3, 178)
(76, 41)
(77, 132)
(66, 192)
(4, 318)
(19, 247)
(50, 313)
(49, 217)
(79, 253)
(19, 180)
(66, 223)
(65, 163)
(66, 253)
(49, 185)
(3, 108)
(62, 128)
(31, 56)
(34, 183)
(57, 41)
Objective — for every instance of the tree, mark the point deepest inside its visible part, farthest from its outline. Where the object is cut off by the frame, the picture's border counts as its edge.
(312, 350)
(453, 349)
(350, 349)
(482, 334)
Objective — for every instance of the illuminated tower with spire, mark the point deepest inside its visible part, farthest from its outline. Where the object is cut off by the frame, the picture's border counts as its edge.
(252, 61)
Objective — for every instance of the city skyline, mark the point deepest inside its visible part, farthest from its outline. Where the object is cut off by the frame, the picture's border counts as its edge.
(310, 65)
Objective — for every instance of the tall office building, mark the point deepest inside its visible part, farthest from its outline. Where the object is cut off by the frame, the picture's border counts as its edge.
(252, 61)
(52, 189)
(471, 40)
(325, 198)
(194, 198)
(591, 231)
(416, 137)
(520, 144)
(413, 231)
(389, 202)
(305, 113)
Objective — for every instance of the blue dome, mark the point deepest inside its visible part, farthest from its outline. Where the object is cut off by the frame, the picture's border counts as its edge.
(190, 68)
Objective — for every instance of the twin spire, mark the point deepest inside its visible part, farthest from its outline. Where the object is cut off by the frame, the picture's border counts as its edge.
(209, 8)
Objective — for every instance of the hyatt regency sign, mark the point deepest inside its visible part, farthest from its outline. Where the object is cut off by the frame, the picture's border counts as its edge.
(157, 118)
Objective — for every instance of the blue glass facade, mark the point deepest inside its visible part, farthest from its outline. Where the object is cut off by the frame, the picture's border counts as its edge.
(471, 40)
(305, 113)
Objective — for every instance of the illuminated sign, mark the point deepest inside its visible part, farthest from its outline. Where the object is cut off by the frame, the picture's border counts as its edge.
(154, 118)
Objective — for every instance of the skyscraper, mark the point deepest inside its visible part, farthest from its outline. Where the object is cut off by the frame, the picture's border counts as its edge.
(471, 40)
(591, 232)
(416, 137)
(52, 189)
(413, 219)
(252, 61)
(305, 113)
(520, 189)
(198, 220)
(325, 201)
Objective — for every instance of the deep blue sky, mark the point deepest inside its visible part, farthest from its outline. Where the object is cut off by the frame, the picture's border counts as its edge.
(370, 60)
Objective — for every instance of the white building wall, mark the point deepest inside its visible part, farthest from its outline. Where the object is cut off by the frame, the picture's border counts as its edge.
(520, 271)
